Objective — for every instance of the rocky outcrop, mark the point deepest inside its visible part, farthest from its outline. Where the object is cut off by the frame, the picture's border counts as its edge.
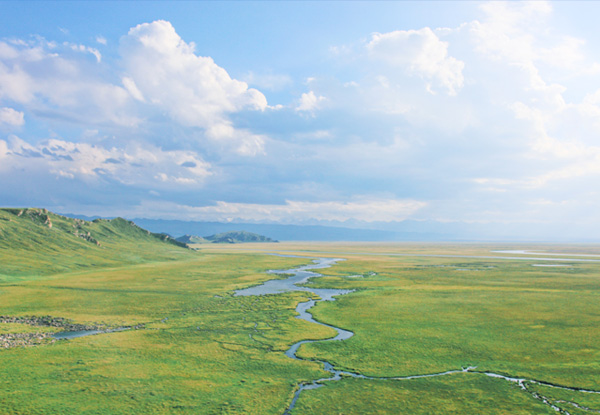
(82, 233)
(87, 236)
(37, 215)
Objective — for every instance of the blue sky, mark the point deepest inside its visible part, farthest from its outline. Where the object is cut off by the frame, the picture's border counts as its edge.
(303, 112)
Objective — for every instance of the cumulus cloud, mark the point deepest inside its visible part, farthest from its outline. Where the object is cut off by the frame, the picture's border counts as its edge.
(161, 75)
(420, 53)
(479, 117)
(507, 30)
(132, 88)
(245, 142)
(193, 90)
(43, 76)
(136, 165)
(529, 79)
(309, 102)
(11, 117)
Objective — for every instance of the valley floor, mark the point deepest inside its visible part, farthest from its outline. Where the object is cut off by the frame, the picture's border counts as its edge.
(415, 309)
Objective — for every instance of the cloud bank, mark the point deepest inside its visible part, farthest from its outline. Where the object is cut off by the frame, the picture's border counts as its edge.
(493, 118)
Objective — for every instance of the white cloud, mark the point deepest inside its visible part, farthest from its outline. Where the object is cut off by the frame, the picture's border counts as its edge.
(421, 53)
(136, 165)
(85, 49)
(309, 102)
(192, 89)
(246, 143)
(43, 76)
(132, 88)
(3, 149)
(161, 76)
(537, 67)
(11, 117)
(101, 40)
(164, 72)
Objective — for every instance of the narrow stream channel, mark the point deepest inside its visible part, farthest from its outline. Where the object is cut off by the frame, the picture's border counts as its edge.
(66, 335)
(302, 274)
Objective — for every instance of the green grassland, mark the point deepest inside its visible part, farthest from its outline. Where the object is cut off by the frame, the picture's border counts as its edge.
(201, 350)
(416, 315)
(454, 394)
(426, 315)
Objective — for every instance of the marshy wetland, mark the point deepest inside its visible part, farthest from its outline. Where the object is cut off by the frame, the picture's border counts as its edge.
(425, 328)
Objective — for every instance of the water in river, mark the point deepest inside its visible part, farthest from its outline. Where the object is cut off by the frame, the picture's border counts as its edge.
(301, 275)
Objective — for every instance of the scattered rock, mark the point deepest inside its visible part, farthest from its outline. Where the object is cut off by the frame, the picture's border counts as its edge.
(87, 236)
(49, 321)
(10, 340)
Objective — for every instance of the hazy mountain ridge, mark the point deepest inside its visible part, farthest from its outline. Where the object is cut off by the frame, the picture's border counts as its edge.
(278, 232)
(409, 230)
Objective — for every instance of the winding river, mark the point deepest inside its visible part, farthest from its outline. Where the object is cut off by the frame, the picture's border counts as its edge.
(302, 274)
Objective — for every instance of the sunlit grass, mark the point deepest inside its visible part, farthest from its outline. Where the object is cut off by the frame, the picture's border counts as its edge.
(203, 350)
(457, 394)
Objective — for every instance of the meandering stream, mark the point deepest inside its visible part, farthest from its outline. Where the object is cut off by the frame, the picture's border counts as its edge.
(302, 274)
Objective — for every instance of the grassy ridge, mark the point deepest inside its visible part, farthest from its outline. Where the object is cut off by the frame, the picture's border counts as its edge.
(36, 242)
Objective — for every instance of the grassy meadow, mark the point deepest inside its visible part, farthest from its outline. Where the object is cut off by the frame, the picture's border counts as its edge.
(201, 350)
(416, 315)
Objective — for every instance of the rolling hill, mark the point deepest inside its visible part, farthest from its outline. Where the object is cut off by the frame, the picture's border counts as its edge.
(37, 242)
(235, 237)
(191, 239)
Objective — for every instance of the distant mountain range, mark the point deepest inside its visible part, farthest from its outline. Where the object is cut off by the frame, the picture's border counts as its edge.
(276, 232)
(408, 230)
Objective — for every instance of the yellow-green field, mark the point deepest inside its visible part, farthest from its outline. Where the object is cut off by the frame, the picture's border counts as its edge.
(202, 350)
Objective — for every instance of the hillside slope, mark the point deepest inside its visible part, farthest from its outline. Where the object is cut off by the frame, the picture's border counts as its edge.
(191, 239)
(38, 242)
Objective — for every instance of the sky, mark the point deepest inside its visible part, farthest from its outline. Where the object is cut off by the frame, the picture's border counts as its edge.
(304, 112)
